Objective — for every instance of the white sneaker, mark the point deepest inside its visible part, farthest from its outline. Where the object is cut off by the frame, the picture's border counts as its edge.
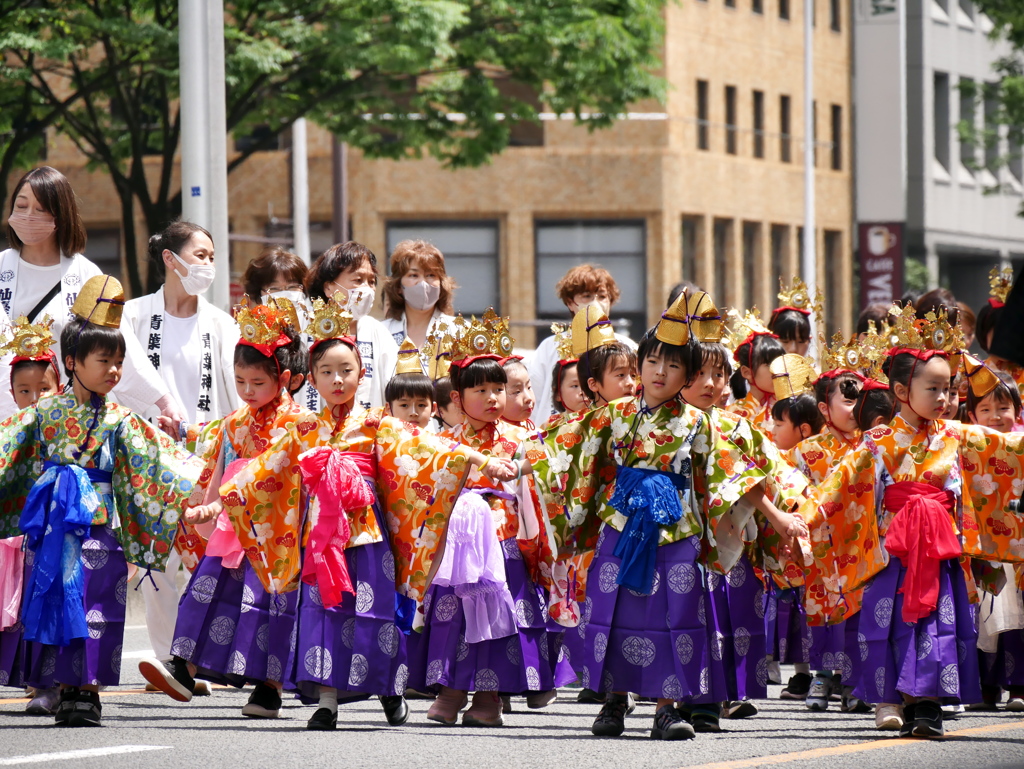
(1015, 704)
(888, 718)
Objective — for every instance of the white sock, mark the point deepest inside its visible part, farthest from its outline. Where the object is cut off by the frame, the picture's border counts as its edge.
(329, 698)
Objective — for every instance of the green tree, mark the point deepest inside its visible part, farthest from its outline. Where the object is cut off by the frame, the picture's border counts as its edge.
(394, 78)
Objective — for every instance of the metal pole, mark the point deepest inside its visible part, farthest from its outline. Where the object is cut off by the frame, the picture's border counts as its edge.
(220, 293)
(809, 263)
(339, 172)
(195, 187)
(300, 191)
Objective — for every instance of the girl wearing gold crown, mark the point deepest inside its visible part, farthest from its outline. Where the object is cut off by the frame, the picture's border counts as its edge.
(485, 622)
(316, 512)
(229, 629)
(649, 479)
(754, 356)
(896, 516)
(93, 487)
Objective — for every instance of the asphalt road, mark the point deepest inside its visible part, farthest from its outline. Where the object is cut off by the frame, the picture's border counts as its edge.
(152, 731)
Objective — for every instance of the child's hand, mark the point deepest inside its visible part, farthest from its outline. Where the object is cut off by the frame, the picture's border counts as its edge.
(796, 527)
(203, 513)
(500, 470)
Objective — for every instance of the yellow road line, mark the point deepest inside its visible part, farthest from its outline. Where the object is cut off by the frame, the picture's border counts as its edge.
(801, 755)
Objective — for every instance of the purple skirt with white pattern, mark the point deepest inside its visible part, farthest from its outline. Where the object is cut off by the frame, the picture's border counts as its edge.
(95, 660)
(742, 625)
(665, 644)
(787, 635)
(835, 647)
(355, 646)
(230, 628)
(934, 657)
(534, 659)
(1005, 666)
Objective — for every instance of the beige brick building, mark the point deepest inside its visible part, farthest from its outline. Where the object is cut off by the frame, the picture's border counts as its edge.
(708, 186)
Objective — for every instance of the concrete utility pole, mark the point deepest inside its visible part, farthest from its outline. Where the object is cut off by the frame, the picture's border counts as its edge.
(300, 191)
(204, 168)
(339, 174)
(808, 259)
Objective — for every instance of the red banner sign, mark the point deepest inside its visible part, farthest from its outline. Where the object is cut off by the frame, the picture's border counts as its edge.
(881, 262)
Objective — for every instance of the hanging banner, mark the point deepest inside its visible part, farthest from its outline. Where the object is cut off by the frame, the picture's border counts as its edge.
(881, 262)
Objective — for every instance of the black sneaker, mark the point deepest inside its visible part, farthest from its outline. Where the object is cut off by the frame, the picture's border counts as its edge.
(324, 720)
(264, 702)
(669, 724)
(852, 704)
(611, 721)
(170, 677)
(590, 697)
(739, 709)
(797, 688)
(65, 705)
(395, 709)
(87, 710)
(704, 719)
(928, 720)
(909, 710)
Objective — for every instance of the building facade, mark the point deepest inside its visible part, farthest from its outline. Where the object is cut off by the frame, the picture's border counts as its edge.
(707, 186)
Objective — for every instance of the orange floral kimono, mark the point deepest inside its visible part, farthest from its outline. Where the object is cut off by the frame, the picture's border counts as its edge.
(415, 474)
(759, 413)
(983, 471)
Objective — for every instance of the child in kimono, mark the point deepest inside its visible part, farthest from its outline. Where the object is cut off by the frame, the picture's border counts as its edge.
(754, 355)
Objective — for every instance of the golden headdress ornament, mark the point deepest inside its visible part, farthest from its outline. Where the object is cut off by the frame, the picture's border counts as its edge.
(101, 301)
(1001, 280)
(329, 320)
(260, 324)
(437, 352)
(590, 329)
(932, 333)
(797, 297)
(706, 322)
(674, 326)
(408, 359)
(792, 374)
(850, 355)
(980, 378)
(563, 341)
(30, 340)
(488, 336)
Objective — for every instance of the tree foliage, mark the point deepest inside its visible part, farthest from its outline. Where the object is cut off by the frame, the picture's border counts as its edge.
(387, 76)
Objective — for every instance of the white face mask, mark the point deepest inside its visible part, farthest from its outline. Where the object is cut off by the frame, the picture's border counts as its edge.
(298, 299)
(422, 295)
(360, 301)
(197, 278)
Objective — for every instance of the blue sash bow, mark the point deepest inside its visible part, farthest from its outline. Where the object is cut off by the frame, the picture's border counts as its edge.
(648, 499)
(58, 513)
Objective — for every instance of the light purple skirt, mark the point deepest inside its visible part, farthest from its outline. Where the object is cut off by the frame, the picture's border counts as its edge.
(534, 659)
(788, 637)
(1005, 666)
(935, 657)
(665, 644)
(95, 660)
(834, 647)
(742, 624)
(230, 628)
(355, 646)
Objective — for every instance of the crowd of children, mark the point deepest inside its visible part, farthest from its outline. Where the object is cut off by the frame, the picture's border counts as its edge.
(669, 521)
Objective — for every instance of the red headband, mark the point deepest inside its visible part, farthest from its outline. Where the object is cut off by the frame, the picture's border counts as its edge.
(922, 355)
(837, 372)
(503, 361)
(874, 384)
(802, 310)
(46, 357)
(486, 356)
(750, 340)
(267, 349)
(995, 304)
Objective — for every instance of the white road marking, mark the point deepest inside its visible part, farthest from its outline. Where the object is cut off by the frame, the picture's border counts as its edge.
(137, 655)
(71, 755)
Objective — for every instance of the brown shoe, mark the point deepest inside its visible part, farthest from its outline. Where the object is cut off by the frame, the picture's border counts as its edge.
(485, 710)
(445, 708)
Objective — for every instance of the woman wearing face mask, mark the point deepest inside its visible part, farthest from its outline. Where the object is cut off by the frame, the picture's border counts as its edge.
(43, 271)
(348, 273)
(191, 344)
(418, 293)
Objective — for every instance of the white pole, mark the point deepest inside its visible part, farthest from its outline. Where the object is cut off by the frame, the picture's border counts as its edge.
(809, 262)
(219, 294)
(195, 187)
(300, 190)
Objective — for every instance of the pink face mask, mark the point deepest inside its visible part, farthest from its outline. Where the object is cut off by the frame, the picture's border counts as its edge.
(32, 228)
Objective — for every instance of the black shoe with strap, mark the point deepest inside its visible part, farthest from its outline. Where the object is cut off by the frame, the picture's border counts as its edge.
(87, 710)
(669, 724)
(797, 688)
(323, 720)
(396, 710)
(928, 720)
(611, 721)
(65, 705)
(907, 730)
(704, 719)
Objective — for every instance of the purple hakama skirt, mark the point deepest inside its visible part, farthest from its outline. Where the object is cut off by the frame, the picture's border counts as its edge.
(742, 624)
(1005, 666)
(788, 637)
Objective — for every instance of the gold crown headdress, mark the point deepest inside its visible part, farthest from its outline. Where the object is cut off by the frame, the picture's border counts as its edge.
(329, 320)
(932, 333)
(31, 341)
(488, 336)
(674, 326)
(590, 329)
(260, 324)
(792, 374)
(705, 320)
(408, 359)
(101, 301)
(563, 341)
(980, 378)
(1000, 280)
(797, 297)
(851, 355)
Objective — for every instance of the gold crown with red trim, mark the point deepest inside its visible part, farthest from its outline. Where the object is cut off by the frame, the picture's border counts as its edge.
(798, 296)
(488, 335)
(264, 323)
(329, 320)
(30, 340)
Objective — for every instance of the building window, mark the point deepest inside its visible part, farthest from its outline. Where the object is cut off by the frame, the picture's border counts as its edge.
(758, 124)
(723, 248)
(618, 246)
(784, 9)
(470, 256)
(967, 116)
(785, 139)
(693, 244)
(730, 119)
(833, 280)
(835, 12)
(757, 6)
(940, 121)
(837, 137)
(702, 115)
(967, 8)
(751, 260)
(780, 251)
(991, 125)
